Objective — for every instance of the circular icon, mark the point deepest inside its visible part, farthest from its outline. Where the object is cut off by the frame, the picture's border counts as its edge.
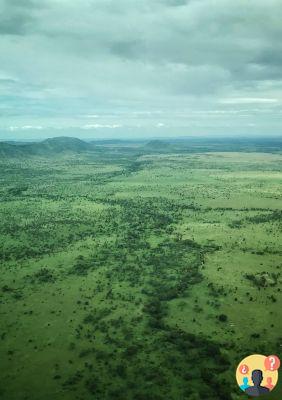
(257, 374)
(244, 369)
(272, 363)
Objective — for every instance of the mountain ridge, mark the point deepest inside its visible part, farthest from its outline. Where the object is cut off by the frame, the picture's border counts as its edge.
(48, 147)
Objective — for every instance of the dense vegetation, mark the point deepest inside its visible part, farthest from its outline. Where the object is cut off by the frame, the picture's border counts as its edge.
(137, 272)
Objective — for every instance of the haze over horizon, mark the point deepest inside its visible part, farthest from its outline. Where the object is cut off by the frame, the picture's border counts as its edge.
(135, 69)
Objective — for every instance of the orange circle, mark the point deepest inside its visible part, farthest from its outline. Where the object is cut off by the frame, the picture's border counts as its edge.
(244, 369)
(272, 363)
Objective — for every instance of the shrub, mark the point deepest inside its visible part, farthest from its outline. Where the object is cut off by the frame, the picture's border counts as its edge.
(222, 318)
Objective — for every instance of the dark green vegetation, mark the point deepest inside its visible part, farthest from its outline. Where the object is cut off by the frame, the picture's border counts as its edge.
(137, 271)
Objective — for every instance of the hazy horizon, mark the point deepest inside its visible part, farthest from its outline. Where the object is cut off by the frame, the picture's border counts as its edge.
(162, 68)
(68, 134)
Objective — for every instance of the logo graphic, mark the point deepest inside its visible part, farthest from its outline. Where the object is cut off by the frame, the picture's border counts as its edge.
(257, 375)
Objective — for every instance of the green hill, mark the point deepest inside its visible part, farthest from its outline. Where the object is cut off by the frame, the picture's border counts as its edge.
(10, 150)
(48, 147)
(62, 144)
(159, 146)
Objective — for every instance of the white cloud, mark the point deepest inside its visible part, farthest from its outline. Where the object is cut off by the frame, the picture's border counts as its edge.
(25, 127)
(97, 126)
(248, 100)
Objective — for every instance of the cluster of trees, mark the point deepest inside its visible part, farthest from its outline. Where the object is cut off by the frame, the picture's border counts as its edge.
(166, 269)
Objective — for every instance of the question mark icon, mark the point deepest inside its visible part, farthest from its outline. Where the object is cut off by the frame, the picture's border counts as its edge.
(244, 369)
(272, 363)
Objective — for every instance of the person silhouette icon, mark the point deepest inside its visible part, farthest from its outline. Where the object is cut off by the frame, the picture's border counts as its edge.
(245, 384)
(269, 385)
(257, 389)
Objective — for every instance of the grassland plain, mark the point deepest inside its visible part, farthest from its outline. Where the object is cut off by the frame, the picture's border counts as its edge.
(129, 275)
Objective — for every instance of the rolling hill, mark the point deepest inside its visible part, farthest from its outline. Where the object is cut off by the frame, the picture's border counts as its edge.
(159, 146)
(48, 147)
(8, 150)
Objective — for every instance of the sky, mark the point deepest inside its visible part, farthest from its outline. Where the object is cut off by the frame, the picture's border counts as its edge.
(134, 68)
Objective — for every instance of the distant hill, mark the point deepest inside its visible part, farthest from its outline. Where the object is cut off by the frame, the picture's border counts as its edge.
(159, 146)
(57, 146)
(10, 150)
(62, 144)
(48, 147)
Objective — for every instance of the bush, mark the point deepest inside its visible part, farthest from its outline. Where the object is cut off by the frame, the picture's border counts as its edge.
(222, 318)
